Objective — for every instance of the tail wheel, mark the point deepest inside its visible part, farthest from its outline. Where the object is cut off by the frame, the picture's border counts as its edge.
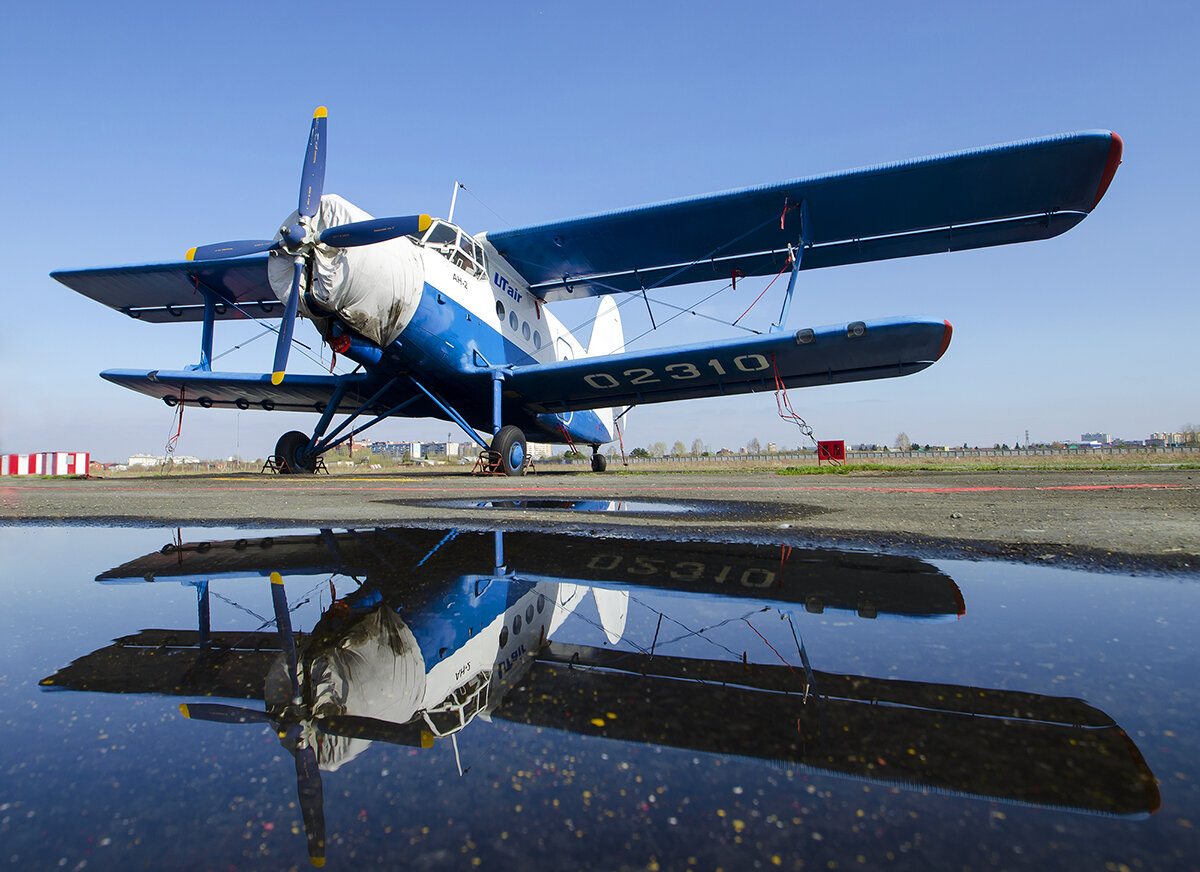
(509, 445)
(599, 462)
(292, 448)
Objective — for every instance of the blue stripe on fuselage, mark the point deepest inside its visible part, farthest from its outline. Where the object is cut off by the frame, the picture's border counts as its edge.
(439, 345)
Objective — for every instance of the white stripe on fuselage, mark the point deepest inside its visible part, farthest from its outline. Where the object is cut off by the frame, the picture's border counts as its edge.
(479, 295)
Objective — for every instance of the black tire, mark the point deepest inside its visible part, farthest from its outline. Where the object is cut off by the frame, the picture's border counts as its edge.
(599, 462)
(509, 444)
(291, 449)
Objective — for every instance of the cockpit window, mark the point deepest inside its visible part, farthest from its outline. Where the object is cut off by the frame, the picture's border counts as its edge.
(456, 246)
(441, 233)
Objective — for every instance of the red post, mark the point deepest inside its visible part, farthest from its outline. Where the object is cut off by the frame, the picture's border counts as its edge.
(833, 451)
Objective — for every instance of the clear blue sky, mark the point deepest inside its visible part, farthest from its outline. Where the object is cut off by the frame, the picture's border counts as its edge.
(135, 131)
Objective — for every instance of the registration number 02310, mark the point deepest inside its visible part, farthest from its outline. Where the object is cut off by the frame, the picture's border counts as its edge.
(642, 375)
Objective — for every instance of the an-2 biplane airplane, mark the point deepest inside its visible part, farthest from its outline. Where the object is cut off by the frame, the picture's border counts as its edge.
(453, 326)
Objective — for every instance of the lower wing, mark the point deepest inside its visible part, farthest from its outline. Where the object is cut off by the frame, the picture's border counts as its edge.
(252, 390)
(837, 354)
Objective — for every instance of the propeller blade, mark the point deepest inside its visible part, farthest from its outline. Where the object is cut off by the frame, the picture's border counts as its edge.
(283, 623)
(237, 248)
(222, 714)
(312, 178)
(414, 734)
(312, 802)
(284, 343)
(375, 230)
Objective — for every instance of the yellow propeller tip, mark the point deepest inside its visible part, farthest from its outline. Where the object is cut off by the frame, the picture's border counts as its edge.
(191, 254)
(423, 222)
(276, 378)
(317, 861)
(183, 710)
(276, 578)
(321, 112)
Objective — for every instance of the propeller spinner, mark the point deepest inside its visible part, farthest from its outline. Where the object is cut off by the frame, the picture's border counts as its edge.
(298, 240)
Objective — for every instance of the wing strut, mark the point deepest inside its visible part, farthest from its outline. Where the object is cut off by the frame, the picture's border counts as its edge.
(805, 241)
(455, 416)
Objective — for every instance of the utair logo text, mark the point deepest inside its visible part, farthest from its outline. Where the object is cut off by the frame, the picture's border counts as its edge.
(502, 283)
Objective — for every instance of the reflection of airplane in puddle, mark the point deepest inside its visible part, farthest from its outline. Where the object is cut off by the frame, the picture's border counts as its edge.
(427, 643)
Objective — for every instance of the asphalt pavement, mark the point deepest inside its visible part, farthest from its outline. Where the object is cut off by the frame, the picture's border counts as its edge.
(1130, 520)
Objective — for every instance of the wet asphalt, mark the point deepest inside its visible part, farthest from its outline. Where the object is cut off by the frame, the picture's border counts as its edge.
(1127, 520)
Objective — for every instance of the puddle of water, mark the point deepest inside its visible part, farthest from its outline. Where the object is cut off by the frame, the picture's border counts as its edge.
(582, 702)
(646, 507)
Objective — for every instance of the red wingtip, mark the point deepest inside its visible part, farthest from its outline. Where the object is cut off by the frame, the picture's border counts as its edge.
(945, 340)
(1110, 167)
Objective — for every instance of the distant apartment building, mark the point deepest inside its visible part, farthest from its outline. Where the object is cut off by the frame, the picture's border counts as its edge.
(1102, 438)
(159, 459)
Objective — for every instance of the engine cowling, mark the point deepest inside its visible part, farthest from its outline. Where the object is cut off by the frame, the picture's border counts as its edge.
(373, 289)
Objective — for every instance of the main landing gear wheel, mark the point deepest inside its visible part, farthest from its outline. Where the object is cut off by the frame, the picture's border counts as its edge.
(291, 447)
(509, 444)
(599, 462)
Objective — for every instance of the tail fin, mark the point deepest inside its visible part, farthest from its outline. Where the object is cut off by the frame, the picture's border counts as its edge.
(607, 338)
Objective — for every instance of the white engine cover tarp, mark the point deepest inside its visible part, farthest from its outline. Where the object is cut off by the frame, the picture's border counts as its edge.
(373, 288)
(374, 671)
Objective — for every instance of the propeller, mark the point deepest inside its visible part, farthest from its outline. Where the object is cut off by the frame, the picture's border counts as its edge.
(299, 240)
(222, 714)
(375, 230)
(312, 799)
(308, 771)
(283, 623)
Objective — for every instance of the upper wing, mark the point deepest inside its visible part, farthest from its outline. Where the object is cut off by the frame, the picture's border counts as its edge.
(826, 355)
(166, 292)
(1015, 192)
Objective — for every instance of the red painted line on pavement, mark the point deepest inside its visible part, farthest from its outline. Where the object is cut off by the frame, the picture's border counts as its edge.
(692, 489)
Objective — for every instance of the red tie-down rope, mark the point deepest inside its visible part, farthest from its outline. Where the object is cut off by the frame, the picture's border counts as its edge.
(179, 426)
(785, 405)
(567, 436)
(173, 439)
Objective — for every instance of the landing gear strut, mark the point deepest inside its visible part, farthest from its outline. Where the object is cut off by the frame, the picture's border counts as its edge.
(292, 448)
(509, 445)
(599, 461)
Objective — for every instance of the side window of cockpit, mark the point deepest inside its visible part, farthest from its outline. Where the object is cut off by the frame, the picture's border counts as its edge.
(464, 257)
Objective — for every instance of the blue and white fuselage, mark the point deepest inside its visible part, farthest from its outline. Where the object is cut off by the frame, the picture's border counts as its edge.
(447, 309)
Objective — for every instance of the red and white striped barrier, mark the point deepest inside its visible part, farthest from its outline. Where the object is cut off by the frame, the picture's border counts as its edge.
(46, 463)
